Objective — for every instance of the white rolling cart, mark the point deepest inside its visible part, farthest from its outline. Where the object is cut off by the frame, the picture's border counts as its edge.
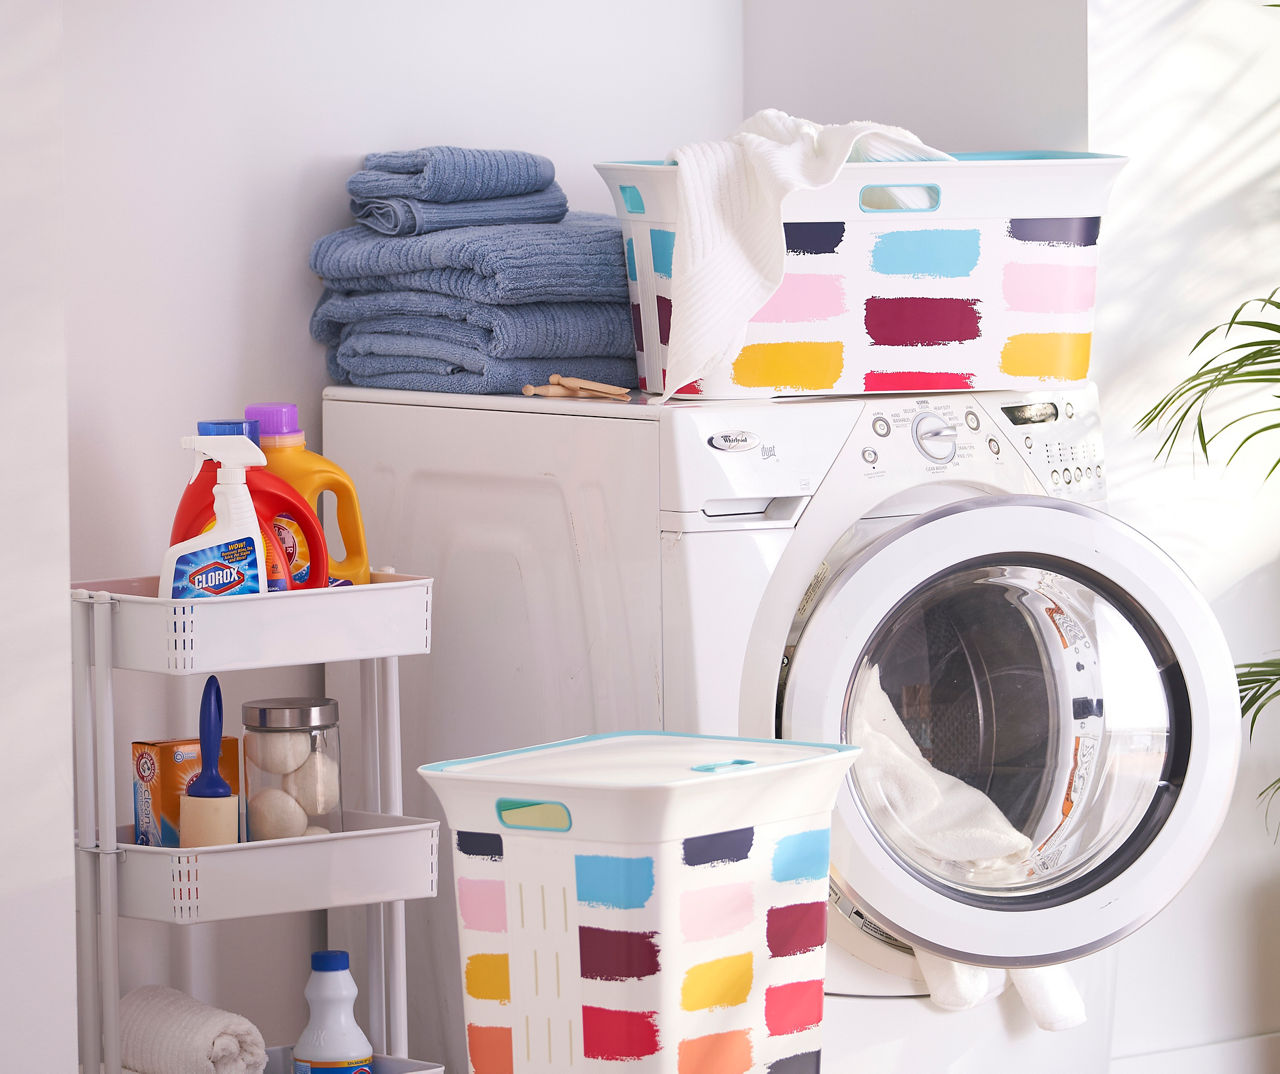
(379, 859)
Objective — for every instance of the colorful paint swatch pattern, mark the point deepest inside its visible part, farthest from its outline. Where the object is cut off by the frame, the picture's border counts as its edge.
(700, 956)
(892, 302)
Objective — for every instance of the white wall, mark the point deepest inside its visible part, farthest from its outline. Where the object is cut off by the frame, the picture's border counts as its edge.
(37, 908)
(966, 77)
(210, 146)
(1187, 89)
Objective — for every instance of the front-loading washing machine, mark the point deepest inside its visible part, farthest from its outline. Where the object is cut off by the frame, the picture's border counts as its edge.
(1046, 706)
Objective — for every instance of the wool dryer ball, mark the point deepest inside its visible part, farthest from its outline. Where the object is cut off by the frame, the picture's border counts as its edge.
(315, 784)
(273, 814)
(277, 752)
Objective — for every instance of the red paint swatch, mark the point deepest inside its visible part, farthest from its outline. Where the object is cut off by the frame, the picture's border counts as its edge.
(921, 322)
(916, 381)
(637, 326)
(789, 1008)
(613, 955)
(791, 930)
(615, 1035)
(489, 1049)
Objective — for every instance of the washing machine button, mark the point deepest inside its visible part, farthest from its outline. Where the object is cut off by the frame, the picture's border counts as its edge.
(880, 426)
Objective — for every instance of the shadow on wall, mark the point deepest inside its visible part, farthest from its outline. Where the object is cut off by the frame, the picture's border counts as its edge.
(1186, 89)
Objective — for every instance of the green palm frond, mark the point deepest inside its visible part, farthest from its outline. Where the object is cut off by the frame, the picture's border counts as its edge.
(1254, 363)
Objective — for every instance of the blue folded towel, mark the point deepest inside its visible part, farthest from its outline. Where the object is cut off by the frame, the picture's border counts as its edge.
(528, 330)
(579, 259)
(412, 216)
(451, 173)
(380, 360)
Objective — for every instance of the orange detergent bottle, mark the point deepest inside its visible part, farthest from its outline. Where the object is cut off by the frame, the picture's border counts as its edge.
(285, 447)
(271, 496)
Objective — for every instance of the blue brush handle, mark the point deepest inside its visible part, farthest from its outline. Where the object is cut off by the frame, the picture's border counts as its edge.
(209, 782)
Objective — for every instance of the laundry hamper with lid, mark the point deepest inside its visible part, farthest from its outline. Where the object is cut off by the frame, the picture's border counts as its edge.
(643, 902)
(972, 273)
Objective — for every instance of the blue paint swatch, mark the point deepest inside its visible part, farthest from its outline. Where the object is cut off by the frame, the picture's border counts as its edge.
(480, 845)
(631, 199)
(617, 883)
(803, 856)
(805, 1063)
(631, 260)
(820, 237)
(940, 252)
(719, 847)
(662, 244)
(1058, 231)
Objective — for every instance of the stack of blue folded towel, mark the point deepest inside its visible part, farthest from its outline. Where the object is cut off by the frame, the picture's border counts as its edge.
(467, 273)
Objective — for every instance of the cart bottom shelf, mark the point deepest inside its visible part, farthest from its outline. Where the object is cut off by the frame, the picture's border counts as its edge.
(280, 1061)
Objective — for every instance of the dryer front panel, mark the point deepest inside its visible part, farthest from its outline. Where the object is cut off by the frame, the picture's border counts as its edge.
(1048, 723)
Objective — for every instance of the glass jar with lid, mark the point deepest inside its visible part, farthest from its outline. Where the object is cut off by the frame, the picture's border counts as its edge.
(292, 767)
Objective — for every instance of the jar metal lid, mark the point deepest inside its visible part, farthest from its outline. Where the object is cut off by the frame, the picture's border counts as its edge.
(290, 712)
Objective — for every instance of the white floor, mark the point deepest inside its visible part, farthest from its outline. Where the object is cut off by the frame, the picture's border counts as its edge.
(1253, 1055)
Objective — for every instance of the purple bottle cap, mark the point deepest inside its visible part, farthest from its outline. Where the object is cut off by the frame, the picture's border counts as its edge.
(274, 419)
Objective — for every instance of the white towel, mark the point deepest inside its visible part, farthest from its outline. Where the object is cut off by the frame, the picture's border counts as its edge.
(1051, 996)
(956, 986)
(941, 817)
(729, 246)
(164, 1031)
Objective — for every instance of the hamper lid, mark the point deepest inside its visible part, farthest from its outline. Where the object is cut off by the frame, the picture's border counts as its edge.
(630, 759)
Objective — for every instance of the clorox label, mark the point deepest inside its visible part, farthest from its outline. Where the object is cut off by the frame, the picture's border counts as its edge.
(224, 570)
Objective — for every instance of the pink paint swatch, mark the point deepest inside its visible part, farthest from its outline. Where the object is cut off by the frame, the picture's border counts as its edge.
(482, 904)
(1050, 288)
(790, 1008)
(711, 912)
(804, 297)
(915, 381)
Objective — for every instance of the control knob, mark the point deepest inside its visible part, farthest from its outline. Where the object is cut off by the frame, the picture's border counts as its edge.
(934, 437)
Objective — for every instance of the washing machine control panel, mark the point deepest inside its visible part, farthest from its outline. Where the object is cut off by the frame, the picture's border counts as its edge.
(1054, 436)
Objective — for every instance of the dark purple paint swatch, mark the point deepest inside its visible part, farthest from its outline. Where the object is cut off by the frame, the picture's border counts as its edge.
(480, 845)
(719, 847)
(821, 237)
(1058, 231)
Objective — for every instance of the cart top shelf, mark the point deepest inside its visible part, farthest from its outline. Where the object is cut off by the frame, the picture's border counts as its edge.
(389, 617)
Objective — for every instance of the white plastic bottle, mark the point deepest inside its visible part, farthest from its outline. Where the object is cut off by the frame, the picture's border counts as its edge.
(332, 1043)
(226, 560)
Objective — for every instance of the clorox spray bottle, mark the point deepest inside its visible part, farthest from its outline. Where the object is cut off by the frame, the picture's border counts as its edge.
(228, 559)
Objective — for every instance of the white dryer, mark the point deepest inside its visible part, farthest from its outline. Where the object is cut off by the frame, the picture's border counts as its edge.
(1047, 706)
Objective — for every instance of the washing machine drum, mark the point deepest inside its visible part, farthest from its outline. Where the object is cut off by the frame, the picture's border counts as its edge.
(1048, 725)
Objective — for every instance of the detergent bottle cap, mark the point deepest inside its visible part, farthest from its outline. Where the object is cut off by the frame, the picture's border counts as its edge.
(229, 427)
(231, 453)
(274, 419)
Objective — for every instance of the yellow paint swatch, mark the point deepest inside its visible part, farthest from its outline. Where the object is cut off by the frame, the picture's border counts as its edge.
(799, 366)
(722, 982)
(1060, 355)
(488, 977)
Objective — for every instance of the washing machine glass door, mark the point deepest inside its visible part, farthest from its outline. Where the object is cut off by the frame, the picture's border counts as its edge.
(1048, 724)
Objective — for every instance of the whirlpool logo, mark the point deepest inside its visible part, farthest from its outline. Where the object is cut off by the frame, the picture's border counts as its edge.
(734, 440)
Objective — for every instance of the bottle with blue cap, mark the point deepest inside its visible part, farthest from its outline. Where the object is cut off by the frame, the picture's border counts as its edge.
(332, 1042)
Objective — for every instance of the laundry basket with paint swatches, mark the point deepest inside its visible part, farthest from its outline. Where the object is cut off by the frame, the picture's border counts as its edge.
(643, 902)
(983, 278)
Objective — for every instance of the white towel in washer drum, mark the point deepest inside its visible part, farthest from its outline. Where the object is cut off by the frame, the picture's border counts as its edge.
(935, 812)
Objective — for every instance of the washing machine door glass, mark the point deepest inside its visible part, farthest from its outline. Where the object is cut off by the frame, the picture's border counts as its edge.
(1048, 728)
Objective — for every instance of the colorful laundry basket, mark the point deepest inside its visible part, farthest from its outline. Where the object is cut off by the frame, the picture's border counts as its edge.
(643, 903)
(917, 276)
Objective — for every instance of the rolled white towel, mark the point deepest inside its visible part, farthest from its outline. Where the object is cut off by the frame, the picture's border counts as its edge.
(1051, 996)
(953, 986)
(164, 1031)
